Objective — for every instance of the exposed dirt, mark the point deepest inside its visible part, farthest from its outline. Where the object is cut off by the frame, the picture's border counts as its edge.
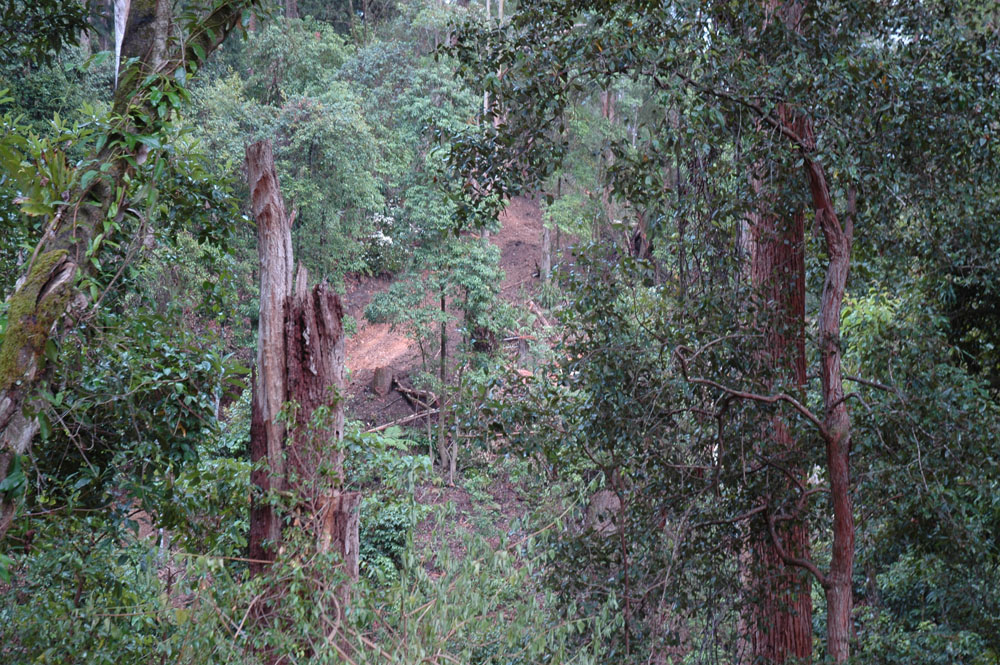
(376, 345)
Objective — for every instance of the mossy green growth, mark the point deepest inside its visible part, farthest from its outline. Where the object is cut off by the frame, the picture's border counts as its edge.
(29, 320)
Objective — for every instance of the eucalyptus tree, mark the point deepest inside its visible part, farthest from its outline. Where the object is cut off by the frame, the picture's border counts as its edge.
(852, 118)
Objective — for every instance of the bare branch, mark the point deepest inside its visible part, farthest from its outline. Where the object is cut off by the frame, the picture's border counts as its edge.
(765, 399)
(732, 520)
(875, 384)
(753, 106)
(793, 560)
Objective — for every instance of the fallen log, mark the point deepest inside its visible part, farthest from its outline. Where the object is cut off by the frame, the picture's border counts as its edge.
(424, 398)
(538, 312)
(403, 421)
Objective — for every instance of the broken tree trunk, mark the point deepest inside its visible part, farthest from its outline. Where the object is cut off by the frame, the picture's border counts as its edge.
(301, 369)
(267, 432)
(382, 381)
(314, 338)
(546, 267)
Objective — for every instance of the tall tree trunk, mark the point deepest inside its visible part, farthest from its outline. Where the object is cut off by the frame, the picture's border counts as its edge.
(607, 202)
(46, 290)
(781, 616)
(291, 8)
(782, 621)
(274, 247)
(485, 232)
(837, 419)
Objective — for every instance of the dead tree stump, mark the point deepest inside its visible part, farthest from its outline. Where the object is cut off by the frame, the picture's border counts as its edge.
(300, 364)
(382, 381)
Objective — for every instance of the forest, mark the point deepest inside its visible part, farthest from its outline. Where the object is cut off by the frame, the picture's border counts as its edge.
(500, 333)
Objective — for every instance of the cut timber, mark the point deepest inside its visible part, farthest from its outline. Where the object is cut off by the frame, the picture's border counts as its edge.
(422, 399)
(403, 421)
(382, 381)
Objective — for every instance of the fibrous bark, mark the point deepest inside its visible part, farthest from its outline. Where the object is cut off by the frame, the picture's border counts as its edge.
(274, 248)
(781, 615)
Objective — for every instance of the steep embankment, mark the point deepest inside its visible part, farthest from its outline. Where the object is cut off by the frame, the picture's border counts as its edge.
(376, 345)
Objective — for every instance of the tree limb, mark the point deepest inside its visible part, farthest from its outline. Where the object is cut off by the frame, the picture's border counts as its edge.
(793, 560)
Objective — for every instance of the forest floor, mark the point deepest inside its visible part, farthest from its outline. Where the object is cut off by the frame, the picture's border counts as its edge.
(377, 345)
(485, 499)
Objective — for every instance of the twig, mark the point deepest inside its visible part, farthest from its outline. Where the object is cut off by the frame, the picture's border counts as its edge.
(755, 397)
(766, 399)
(793, 560)
(739, 518)
(876, 384)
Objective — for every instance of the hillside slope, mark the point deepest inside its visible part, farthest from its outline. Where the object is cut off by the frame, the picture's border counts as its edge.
(376, 345)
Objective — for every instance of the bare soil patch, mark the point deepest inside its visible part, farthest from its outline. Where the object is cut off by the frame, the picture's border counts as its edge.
(377, 345)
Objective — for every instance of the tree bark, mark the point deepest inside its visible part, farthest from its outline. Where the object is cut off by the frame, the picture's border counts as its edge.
(837, 419)
(274, 248)
(607, 202)
(46, 289)
(314, 337)
(781, 615)
(546, 267)
(836, 423)
(443, 453)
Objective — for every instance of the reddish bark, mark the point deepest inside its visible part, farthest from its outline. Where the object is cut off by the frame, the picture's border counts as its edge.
(835, 427)
(837, 419)
(781, 616)
(314, 337)
(782, 611)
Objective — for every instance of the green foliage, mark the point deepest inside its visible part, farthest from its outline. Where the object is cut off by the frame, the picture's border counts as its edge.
(327, 173)
(385, 537)
(464, 271)
(292, 59)
(703, 90)
(352, 139)
(621, 114)
(36, 31)
(115, 598)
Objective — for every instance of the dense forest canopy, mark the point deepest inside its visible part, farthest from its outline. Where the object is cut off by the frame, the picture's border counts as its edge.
(546, 331)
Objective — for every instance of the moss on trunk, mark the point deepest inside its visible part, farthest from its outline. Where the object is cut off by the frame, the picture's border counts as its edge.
(34, 309)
